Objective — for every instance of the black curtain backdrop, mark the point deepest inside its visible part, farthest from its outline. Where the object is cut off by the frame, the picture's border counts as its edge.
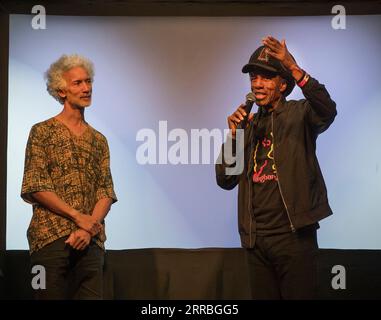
(202, 274)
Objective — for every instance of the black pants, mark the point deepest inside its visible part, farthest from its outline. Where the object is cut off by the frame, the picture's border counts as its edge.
(284, 266)
(70, 273)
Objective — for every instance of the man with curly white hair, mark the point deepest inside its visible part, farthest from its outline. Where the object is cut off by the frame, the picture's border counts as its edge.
(68, 181)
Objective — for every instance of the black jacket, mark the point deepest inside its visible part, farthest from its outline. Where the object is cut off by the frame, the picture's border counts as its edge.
(296, 125)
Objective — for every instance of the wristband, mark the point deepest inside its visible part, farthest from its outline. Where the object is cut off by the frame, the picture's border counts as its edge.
(304, 80)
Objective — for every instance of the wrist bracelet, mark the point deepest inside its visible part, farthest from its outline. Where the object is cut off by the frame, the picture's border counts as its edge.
(304, 80)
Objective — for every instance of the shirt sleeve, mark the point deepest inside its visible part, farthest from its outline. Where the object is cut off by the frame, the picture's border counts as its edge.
(36, 176)
(321, 108)
(105, 184)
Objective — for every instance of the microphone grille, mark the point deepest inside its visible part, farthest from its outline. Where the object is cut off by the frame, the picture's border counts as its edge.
(250, 97)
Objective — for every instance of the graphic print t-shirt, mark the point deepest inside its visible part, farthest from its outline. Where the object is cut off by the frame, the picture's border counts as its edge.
(269, 211)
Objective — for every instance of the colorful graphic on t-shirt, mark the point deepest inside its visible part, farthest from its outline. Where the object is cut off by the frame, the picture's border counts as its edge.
(264, 166)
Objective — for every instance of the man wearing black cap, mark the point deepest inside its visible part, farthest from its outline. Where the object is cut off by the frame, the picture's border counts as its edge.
(282, 194)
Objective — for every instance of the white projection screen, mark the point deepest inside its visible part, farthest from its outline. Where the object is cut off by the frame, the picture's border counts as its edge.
(178, 74)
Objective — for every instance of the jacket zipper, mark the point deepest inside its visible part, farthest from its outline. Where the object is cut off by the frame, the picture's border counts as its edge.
(280, 189)
(250, 214)
(250, 195)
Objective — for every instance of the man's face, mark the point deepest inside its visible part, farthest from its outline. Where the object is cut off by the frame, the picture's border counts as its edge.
(78, 87)
(267, 88)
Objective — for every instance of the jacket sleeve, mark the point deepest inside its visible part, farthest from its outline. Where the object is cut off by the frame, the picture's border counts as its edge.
(321, 109)
(225, 161)
(231, 164)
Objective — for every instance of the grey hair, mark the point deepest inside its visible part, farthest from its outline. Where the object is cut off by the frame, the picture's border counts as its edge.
(53, 76)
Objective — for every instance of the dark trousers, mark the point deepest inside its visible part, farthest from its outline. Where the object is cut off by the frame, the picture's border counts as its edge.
(284, 266)
(70, 273)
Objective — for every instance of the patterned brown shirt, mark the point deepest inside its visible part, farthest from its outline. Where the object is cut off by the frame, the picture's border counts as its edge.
(76, 168)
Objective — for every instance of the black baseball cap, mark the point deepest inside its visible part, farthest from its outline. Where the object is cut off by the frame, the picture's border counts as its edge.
(260, 60)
